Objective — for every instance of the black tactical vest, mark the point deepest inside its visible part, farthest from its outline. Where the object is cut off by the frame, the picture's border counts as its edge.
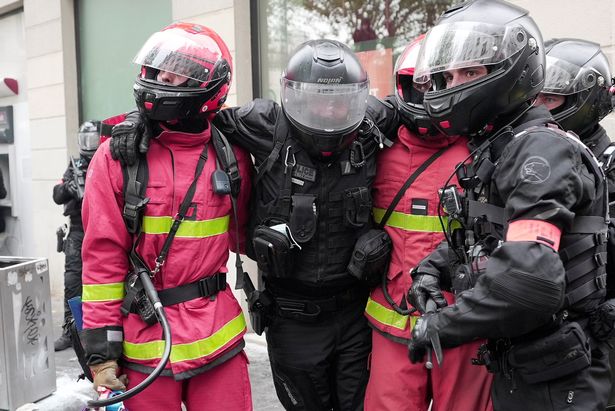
(327, 206)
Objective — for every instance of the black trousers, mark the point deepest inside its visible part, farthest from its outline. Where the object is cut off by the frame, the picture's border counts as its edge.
(72, 268)
(587, 390)
(321, 365)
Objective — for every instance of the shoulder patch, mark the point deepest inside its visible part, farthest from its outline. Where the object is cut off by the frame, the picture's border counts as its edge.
(535, 170)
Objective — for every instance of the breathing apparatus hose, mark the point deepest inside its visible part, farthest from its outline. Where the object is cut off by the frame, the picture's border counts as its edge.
(151, 293)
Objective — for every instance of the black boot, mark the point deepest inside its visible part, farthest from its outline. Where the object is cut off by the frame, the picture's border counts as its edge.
(64, 341)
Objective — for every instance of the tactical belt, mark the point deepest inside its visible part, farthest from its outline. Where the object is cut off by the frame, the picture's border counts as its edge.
(310, 309)
(205, 287)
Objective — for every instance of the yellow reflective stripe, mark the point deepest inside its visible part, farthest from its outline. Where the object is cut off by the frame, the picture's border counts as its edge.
(388, 316)
(188, 228)
(102, 292)
(184, 352)
(411, 222)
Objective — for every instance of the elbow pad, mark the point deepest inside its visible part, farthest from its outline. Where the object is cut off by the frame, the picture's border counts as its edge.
(528, 275)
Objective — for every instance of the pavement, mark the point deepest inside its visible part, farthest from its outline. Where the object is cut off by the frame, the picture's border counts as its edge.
(72, 395)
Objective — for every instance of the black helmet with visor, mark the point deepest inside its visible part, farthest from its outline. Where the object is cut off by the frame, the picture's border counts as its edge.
(580, 71)
(324, 91)
(491, 33)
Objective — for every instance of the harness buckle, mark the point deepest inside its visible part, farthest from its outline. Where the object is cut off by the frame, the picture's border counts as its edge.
(600, 237)
(601, 281)
(599, 259)
(204, 288)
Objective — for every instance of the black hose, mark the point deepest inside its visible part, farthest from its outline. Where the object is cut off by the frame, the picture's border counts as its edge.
(166, 332)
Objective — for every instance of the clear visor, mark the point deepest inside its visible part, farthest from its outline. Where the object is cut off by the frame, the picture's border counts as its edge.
(89, 140)
(406, 62)
(326, 107)
(466, 44)
(567, 78)
(173, 51)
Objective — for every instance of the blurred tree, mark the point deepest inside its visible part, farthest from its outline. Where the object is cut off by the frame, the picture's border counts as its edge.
(379, 19)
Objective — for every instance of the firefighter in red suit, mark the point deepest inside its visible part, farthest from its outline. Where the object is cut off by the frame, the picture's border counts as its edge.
(189, 64)
(415, 229)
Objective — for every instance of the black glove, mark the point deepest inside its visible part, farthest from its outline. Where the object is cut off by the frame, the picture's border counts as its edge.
(71, 188)
(420, 342)
(130, 138)
(424, 287)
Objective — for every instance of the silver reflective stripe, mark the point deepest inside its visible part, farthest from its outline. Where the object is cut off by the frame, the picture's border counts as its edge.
(114, 335)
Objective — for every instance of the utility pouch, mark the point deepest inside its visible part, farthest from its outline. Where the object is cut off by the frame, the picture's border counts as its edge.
(60, 237)
(559, 354)
(371, 256)
(273, 251)
(303, 217)
(357, 206)
(602, 321)
(259, 305)
(135, 296)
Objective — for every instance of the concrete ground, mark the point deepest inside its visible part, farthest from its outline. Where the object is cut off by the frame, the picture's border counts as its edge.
(72, 395)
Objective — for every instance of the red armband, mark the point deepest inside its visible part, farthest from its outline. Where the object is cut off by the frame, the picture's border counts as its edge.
(534, 230)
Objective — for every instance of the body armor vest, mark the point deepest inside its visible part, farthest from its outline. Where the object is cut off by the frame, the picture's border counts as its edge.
(326, 205)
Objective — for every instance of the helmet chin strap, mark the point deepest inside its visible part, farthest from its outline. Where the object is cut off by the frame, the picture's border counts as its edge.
(188, 125)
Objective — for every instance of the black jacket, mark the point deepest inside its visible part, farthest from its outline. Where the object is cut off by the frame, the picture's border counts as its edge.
(539, 175)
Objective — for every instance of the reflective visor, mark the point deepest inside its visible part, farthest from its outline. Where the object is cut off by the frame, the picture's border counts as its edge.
(466, 44)
(326, 107)
(567, 78)
(89, 140)
(174, 51)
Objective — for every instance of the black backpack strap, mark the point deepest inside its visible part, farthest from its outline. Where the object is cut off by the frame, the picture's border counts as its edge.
(135, 183)
(408, 183)
(280, 133)
(227, 158)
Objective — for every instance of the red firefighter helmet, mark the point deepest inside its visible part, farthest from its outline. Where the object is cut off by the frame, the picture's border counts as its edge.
(194, 53)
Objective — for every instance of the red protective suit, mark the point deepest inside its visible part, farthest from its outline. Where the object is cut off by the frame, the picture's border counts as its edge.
(414, 227)
(205, 331)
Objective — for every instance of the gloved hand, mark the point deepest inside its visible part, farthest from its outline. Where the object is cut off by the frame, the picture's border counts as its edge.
(130, 138)
(420, 342)
(71, 187)
(105, 375)
(424, 287)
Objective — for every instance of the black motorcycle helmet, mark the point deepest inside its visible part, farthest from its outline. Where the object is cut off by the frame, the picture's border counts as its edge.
(408, 94)
(324, 95)
(89, 138)
(580, 71)
(187, 50)
(490, 33)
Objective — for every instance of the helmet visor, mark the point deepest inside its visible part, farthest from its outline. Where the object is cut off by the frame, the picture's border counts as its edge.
(325, 107)
(89, 140)
(564, 77)
(466, 44)
(175, 52)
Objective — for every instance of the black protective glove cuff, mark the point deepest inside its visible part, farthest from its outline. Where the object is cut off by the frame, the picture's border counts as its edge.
(102, 344)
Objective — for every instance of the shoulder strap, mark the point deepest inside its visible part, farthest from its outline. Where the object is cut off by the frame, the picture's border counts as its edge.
(280, 133)
(226, 157)
(408, 183)
(135, 183)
